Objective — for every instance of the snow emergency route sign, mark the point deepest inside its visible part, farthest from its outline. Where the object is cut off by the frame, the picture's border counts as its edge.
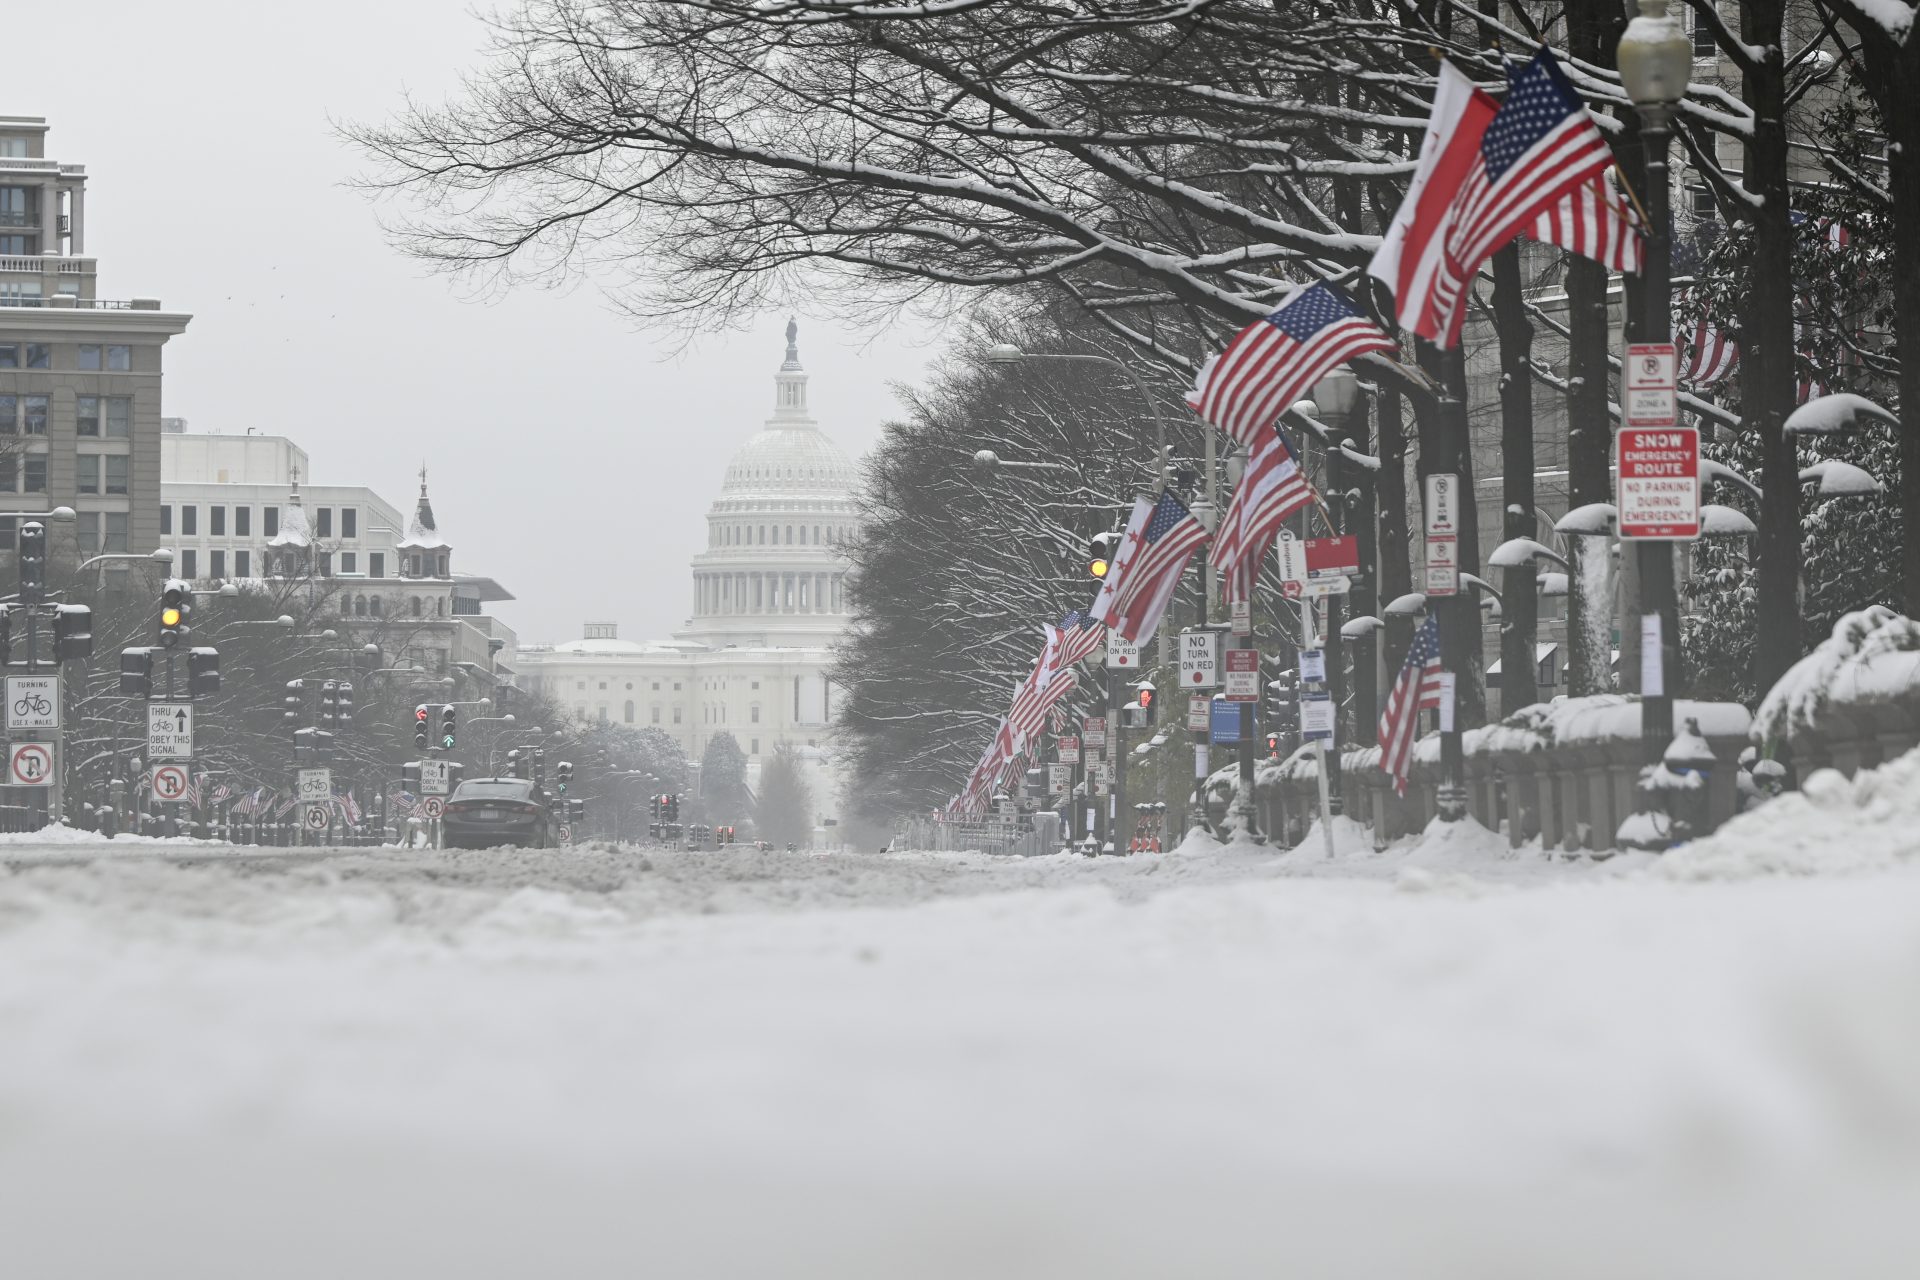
(1659, 485)
(1652, 396)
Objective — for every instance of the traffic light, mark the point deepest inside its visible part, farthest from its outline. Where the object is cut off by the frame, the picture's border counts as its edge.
(1148, 704)
(514, 764)
(176, 602)
(203, 672)
(72, 632)
(540, 765)
(296, 701)
(562, 775)
(410, 777)
(446, 727)
(33, 558)
(420, 726)
(6, 634)
(672, 808)
(136, 672)
(653, 807)
(1100, 551)
(342, 704)
(329, 704)
(1273, 745)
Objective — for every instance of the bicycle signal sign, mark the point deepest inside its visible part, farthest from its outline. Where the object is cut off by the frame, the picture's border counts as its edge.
(169, 731)
(33, 702)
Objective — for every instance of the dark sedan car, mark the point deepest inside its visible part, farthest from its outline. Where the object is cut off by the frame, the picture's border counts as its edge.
(485, 812)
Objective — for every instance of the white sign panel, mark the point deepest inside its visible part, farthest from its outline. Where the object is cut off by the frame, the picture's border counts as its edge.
(316, 784)
(1316, 719)
(1446, 682)
(1338, 585)
(169, 731)
(1095, 733)
(433, 777)
(30, 764)
(315, 817)
(1059, 779)
(1199, 659)
(33, 702)
(1242, 615)
(170, 782)
(1197, 715)
(1293, 560)
(1651, 397)
(1101, 771)
(1443, 504)
(1313, 666)
(1653, 673)
(1122, 656)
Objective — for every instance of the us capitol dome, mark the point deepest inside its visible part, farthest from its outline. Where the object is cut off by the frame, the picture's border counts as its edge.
(769, 601)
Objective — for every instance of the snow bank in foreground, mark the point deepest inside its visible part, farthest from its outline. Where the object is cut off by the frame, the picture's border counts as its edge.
(56, 834)
(1830, 824)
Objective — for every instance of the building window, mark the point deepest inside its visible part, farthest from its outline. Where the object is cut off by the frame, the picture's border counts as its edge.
(754, 714)
(189, 564)
(579, 684)
(603, 685)
(36, 473)
(375, 607)
(118, 467)
(656, 715)
(166, 519)
(217, 563)
(676, 686)
(755, 750)
(1701, 199)
(323, 522)
(9, 414)
(1703, 46)
(349, 522)
(656, 686)
(34, 414)
(756, 684)
(326, 564)
(88, 358)
(119, 359)
(119, 417)
(189, 520)
(629, 710)
(217, 521)
(443, 564)
(39, 355)
(349, 562)
(241, 565)
(117, 532)
(415, 602)
(86, 473)
(377, 564)
(9, 355)
(86, 415)
(86, 532)
(269, 521)
(242, 522)
(676, 715)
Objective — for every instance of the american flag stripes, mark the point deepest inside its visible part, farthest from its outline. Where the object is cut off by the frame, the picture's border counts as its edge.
(1711, 355)
(1273, 361)
(1417, 687)
(1161, 538)
(1538, 147)
(1594, 222)
(1272, 488)
(1080, 635)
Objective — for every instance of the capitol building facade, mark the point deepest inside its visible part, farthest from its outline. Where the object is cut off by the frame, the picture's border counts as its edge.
(769, 601)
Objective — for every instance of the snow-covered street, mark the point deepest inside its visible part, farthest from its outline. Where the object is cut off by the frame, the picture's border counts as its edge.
(616, 1062)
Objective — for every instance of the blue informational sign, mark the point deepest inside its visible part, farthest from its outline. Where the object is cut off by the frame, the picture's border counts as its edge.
(1223, 722)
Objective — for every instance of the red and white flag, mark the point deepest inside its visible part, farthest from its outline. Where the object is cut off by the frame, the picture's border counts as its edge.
(1161, 538)
(1410, 254)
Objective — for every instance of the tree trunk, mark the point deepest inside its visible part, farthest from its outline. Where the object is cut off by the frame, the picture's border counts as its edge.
(1519, 610)
(1767, 356)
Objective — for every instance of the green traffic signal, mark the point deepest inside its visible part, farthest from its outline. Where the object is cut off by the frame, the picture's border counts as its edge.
(446, 743)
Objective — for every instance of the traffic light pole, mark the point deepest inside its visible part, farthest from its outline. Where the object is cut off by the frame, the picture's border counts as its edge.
(1117, 800)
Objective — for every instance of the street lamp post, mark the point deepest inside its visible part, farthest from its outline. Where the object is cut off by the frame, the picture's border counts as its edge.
(1656, 60)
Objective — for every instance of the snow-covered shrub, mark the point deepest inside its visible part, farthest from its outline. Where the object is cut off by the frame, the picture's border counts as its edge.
(1873, 656)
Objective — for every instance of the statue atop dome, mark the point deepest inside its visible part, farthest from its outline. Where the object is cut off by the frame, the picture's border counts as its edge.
(793, 344)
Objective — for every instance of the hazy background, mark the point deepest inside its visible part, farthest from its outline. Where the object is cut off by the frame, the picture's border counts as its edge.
(570, 457)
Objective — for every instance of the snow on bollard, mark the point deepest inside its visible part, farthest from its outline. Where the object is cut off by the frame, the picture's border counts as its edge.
(1676, 793)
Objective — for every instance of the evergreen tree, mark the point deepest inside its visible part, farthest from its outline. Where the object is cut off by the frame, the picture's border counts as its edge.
(785, 812)
(723, 780)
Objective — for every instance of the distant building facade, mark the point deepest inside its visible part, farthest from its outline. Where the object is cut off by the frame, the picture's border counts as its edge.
(80, 375)
(769, 601)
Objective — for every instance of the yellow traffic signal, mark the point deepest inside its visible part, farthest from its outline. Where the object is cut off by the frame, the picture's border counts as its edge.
(1100, 553)
(169, 617)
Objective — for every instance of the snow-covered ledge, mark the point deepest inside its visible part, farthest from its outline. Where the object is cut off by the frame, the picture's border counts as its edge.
(1854, 701)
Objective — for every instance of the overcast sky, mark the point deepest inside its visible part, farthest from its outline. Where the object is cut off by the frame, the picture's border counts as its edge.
(567, 457)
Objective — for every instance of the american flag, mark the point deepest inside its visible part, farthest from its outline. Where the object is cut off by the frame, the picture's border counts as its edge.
(1161, 538)
(1273, 361)
(1080, 635)
(1711, 355)
(1417, 688)
(1539, 146)
(1272, 488)
(1594, 222)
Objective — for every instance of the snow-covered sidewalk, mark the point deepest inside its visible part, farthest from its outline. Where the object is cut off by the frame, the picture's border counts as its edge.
(1211, 1064)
